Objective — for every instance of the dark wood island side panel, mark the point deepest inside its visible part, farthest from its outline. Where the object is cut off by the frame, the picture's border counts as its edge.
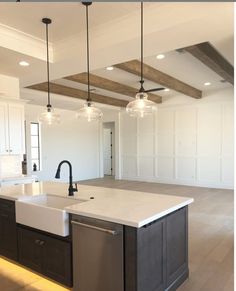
(156, 255)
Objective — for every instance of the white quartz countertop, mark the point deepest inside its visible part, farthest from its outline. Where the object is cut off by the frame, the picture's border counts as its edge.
(126, 207)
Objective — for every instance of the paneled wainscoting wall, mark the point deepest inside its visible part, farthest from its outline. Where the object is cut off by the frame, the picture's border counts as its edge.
(190, 144)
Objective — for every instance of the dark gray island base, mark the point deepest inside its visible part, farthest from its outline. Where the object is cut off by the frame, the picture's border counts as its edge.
(112, 257)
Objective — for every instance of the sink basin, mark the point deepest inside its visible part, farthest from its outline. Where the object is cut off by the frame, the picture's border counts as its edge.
(45, 212)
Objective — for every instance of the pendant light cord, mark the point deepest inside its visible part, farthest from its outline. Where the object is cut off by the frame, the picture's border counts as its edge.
(48, 72)
(88, 63)
(142, 81)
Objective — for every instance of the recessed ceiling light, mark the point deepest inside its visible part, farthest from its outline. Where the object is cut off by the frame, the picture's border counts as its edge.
(207, 83)
(160, 57)
(24, 63)
(166, 89)
(110, 68)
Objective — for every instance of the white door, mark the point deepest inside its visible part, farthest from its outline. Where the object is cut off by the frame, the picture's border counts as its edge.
(107, 151)
(16, 129)
(4, 141)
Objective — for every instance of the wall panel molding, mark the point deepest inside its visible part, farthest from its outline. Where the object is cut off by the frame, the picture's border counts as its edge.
(192, 145)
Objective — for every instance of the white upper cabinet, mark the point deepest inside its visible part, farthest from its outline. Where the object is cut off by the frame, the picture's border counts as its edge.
(12, 136)
(4, 140)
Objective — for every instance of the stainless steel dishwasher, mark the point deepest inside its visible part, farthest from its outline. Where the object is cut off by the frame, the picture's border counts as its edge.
(97, 255)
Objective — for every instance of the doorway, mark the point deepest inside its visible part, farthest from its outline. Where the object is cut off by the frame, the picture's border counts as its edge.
(109, 148)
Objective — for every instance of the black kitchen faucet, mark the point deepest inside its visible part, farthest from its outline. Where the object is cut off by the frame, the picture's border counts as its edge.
(71, 189)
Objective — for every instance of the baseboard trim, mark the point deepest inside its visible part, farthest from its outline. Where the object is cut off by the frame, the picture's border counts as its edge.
(179, 182)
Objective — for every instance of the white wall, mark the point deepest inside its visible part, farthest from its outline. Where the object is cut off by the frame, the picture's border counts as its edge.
(75, 140)
(9, 87)
(186, 142)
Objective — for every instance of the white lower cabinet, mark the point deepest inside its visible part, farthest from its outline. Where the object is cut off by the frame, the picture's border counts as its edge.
(12, 133)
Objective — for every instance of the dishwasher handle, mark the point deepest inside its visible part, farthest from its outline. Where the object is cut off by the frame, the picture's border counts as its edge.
(108, 231)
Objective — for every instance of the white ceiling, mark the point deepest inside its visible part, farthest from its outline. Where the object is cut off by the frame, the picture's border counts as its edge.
(168, 26)
(67, 18)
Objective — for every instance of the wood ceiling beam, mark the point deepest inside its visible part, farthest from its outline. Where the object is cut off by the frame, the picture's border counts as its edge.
(159, 77)
(210, 57)
(79, 94)
(106, 84)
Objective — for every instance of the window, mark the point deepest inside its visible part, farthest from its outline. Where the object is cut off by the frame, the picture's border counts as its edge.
(35, 146)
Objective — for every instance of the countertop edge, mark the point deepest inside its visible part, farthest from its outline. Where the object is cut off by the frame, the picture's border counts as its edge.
(131, 223)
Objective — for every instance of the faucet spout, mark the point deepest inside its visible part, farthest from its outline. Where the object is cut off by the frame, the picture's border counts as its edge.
(71, 189)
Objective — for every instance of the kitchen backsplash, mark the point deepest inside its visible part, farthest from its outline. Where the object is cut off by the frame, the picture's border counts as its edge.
(10, 166)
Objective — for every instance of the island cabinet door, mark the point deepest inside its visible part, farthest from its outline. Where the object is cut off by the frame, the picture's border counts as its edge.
(145, 253)
(30, 251)
(57, 262)
(8, 229)
(50, 256)
(177, 248)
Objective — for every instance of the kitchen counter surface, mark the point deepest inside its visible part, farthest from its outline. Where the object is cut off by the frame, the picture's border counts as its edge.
(126, 207)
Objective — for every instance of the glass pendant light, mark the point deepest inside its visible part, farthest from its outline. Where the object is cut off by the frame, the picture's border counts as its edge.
(89, 111)
(141, 106)
(48, 116)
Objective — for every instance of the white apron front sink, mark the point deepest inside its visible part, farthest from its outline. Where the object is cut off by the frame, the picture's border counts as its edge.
(45, 212)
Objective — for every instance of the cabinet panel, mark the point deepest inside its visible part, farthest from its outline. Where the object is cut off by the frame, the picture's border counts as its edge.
(57, 262)
(4, 142)
(177, 244)
(156, 255)
(8, 230)
(151, 253)
(30, 253)
(16, 129)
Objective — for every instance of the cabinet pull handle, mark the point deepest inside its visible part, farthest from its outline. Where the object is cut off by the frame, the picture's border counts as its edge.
(41, 242)
(108, 231)
(37, 241)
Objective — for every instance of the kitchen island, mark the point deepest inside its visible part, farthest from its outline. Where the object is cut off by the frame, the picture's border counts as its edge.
(122, 240)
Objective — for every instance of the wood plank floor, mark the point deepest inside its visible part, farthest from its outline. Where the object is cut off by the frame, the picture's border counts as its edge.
(210, 240)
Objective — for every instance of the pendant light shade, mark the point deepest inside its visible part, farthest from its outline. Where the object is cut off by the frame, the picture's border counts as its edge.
(141, 106)
(89, 111)
(49, 116)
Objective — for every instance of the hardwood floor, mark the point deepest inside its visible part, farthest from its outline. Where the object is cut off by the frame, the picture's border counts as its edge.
(210, 240)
